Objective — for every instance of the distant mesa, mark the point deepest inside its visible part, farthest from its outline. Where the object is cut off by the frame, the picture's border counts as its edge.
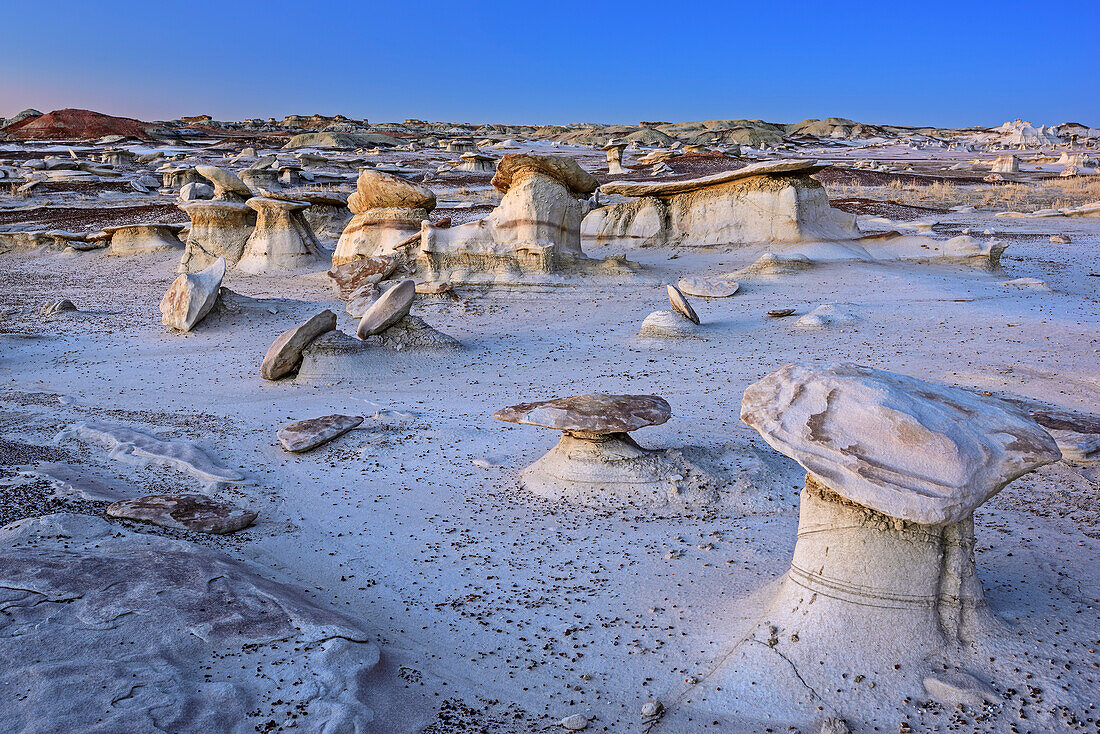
(73, 124)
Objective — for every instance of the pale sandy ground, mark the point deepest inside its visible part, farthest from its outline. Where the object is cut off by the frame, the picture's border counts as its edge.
(508, 602)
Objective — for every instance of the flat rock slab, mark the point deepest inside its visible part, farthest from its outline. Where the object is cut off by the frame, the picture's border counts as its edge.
(187, 511)
(662, 189)
(312, 432)
(285, 353)
(592, 413)
(708, 287)
(351, 276)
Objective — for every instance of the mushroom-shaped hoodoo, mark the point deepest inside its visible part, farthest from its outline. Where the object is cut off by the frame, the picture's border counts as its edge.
(282, 239)
(388, 211)
(882, 583)
(596, 462)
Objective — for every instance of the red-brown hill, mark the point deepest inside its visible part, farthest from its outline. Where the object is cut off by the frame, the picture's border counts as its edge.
(71, 124)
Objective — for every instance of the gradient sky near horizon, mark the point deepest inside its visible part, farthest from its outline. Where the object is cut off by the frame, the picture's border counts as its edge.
(931, 63)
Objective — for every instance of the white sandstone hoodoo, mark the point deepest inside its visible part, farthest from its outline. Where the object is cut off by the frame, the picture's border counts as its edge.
(614, 151)
(773, 201)
(882, 582)
(282, 239)
(134, 239)
(535, 229)
(388, 210)
(218, 229)
(596, 462)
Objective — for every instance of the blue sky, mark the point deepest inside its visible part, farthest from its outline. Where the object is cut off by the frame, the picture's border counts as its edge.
(940, 63)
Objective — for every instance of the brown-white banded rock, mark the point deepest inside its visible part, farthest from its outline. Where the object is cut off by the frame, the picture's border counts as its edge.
(387, 211)
(328, 212)
(535, 229)
(285, 353)
(282, 239)
(179, 176)
(434, 287)
(391, 307)
(722, 287)
(191, 296)
(227, 186)
(680, 303)
(134, 239)
(477, 162)
(614, 150)
(352, 275)
(195, 512)
(1006, 164)
(596, 463)
(218, 229)
(882, 581)
(308, 434)
(772, 201)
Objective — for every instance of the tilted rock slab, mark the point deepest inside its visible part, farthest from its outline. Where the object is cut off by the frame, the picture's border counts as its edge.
(309, 434)
(285, 353)
(391, 307)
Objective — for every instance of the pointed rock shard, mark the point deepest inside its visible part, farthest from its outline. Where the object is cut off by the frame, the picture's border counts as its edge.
(361, 300)
(311, 433)
(391, 307)
(187, 511)
(285, 353)
(191, 296)
(680, 303)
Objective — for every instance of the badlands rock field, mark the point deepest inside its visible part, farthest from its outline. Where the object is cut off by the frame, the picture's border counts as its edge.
(328, 425)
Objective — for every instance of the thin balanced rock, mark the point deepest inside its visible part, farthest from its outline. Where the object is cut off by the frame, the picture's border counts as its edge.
(309, 434)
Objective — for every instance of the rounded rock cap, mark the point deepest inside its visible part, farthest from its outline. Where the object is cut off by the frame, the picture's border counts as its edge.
(564, 170)
(223, 178)
(591, 413)
(910, 449)
(377, 190)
